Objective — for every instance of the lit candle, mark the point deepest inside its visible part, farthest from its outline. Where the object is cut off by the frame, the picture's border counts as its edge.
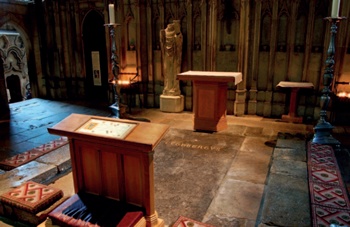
(111, 14)
(335, 8)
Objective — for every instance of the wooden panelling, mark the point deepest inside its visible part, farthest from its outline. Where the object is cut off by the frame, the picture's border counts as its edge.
(133, 179)
(121, 169)
(90, 167)
(109, 174)
(203, 110)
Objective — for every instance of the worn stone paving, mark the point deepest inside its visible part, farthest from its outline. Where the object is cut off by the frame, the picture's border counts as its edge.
(189, 168)
(286, 196)
(241, 185)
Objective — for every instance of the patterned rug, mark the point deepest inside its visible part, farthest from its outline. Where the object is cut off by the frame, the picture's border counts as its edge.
(328, 195)
(23, 158)
(187, 222)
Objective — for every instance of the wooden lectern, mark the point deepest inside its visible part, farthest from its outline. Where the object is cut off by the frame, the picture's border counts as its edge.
(113, 158)
(295, 87)
(210, 97)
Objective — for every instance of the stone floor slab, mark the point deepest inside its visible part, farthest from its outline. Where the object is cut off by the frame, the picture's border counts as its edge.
(289, 168)
(222, 221)
(30, 171)
(255, 144)
(250, 167)
(294, 143)
(189, 167)
(59, 157)
(234, 194)
(286, 202)
(290, 154)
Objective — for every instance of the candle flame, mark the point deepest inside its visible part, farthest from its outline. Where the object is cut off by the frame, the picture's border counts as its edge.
(343, 94)
(123, 82)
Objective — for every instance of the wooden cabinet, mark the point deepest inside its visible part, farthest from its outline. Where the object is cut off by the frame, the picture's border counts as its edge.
(118, 167)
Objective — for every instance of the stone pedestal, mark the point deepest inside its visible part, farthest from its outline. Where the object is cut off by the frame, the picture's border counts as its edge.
(172, 104)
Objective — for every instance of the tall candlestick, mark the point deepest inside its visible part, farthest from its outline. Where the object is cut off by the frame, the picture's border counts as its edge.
(335, 8)
(323, 128)
(115, 70)
(111, 14)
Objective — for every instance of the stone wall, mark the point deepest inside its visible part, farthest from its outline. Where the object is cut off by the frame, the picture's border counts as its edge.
(267, 40)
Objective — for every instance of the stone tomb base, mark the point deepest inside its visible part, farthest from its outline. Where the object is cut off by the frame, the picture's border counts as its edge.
(172, 104)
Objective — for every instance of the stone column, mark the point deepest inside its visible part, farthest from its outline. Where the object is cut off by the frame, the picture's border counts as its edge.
(241, 92)
(4, 104)
(253, 91)
(171, 46)
(267, 107)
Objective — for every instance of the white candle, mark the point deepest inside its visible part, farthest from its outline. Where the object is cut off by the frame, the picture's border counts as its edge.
(335, 8)
(111, 14)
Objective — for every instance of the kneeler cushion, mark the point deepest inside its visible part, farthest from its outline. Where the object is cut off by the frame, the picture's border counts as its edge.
(32, 197)
(85, 209)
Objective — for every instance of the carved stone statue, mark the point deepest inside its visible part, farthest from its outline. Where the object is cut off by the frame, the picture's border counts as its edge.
(171, 46)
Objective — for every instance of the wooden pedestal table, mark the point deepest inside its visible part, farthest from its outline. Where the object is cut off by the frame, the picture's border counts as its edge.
(210, 97)
(113, 158)
(295, 87)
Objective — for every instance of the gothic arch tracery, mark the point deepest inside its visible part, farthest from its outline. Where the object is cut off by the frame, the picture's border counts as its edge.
(4, 42)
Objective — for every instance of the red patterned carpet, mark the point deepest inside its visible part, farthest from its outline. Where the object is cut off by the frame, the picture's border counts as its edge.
(23, 158)
(328, 195)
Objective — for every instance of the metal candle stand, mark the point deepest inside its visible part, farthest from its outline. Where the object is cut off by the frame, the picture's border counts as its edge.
(115, 70)
(323, 128)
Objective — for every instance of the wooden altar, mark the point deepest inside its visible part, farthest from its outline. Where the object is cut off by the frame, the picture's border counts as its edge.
(209, 97)
(113, 158)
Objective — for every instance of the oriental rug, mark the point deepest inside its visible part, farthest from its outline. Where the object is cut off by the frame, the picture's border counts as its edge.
(27, 156)
(328, 195)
